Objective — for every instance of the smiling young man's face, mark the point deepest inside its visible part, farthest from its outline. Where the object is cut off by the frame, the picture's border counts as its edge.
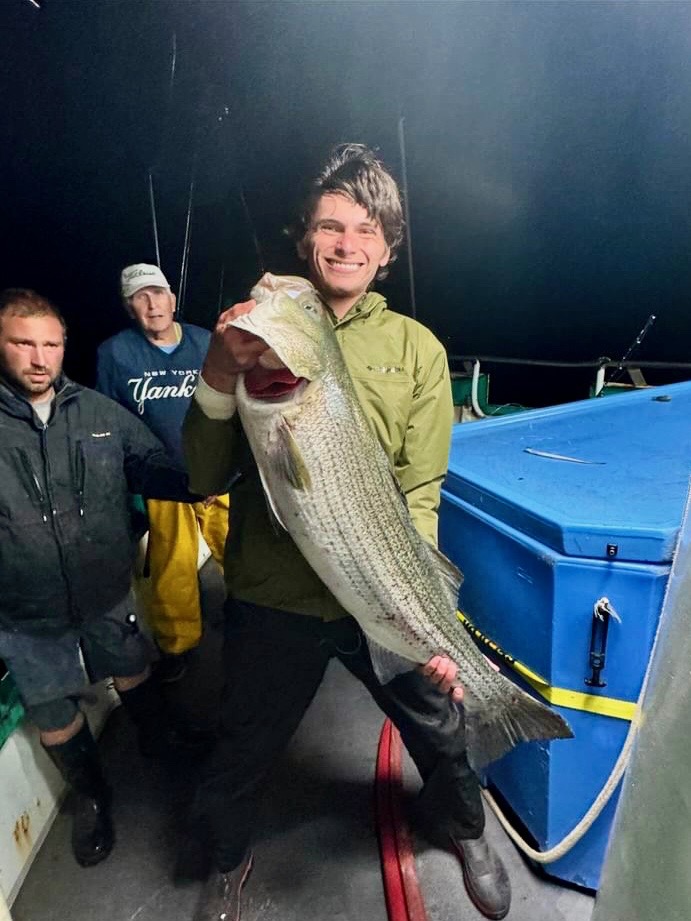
(344, 248)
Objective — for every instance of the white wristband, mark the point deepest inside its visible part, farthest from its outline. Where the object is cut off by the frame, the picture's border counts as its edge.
(213, 403)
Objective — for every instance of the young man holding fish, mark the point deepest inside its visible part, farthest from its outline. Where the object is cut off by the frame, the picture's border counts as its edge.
(282, 619)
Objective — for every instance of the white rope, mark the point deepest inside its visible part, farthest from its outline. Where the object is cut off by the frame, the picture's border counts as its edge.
(575, 835)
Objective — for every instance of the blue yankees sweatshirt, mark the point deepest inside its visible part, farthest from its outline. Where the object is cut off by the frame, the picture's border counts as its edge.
(155, 385)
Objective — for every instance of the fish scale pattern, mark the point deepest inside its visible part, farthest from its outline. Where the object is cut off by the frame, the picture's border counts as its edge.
(351, 523)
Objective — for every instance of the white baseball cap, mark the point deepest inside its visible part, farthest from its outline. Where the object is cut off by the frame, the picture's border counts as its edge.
(135, 277)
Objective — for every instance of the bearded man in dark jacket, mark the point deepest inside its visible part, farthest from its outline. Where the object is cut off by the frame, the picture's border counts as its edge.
(69, 458)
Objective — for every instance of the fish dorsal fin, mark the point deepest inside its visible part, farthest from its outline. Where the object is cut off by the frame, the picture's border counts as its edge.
(387, 664)
(399, 489)
(450, 576)
(289, 460)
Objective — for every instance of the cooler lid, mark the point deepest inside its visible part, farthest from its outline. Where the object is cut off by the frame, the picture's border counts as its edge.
(601, 478)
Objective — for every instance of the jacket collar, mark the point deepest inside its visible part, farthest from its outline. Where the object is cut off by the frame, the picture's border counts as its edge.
(370, 303)
(14, 404)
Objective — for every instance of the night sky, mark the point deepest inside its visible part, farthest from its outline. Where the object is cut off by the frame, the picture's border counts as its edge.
(548, 151)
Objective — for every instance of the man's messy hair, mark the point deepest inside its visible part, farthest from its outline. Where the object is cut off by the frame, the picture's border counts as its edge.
(354, 170)
(23, 302)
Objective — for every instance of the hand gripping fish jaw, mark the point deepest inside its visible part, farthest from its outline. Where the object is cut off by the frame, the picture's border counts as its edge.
(288, 317)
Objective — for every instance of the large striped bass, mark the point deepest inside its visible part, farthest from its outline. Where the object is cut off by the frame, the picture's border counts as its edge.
(329, 483)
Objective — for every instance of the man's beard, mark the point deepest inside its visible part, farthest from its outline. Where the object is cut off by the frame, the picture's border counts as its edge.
(22, 385)
(37, 390)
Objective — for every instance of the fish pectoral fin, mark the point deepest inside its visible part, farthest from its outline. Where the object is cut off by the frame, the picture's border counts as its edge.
(387, 664)
(274, 517)
(276, 524)
(451, 578)
(289, 460)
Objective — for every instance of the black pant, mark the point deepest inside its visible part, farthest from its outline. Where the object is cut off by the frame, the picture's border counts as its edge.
(274, 664)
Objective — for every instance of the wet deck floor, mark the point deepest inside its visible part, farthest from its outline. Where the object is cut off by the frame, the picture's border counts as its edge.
(316, 850)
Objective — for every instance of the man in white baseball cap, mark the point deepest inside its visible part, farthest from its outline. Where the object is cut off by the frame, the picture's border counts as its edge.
(151, 369)
(135, 277)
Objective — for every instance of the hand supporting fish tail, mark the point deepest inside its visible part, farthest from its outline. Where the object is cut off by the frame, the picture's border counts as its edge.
(443, 672)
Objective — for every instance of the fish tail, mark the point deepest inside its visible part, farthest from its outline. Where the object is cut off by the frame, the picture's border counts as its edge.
(513, 716)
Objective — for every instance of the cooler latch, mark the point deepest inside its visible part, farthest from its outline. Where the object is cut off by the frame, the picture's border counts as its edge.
(602, 613)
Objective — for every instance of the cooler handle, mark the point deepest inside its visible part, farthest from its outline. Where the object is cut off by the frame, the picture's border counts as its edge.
(603, 611)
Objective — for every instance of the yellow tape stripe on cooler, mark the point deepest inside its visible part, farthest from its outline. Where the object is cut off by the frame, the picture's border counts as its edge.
(561, 697)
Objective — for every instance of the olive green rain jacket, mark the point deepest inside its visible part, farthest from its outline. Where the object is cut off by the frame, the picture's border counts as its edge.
(401, 376)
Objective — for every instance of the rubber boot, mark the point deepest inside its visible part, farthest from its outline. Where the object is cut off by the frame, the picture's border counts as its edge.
(485, 877)
(158, 735)
(92, 829)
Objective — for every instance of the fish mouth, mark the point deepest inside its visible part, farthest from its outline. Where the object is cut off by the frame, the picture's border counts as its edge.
(271, 383)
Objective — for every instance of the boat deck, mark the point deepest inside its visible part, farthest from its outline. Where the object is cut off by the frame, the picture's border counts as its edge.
(316, 851)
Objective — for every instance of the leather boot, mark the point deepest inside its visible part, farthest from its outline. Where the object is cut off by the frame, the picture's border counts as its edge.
(220, 899)
(485, 876)
(157, 734)
(92, 828)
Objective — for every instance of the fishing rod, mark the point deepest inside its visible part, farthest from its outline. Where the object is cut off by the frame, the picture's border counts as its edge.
(206, 110)
(182, 286)
(156, 158)
(166, 118)
(222, 119)
(154, 220)
(634, 345)
(593, 363)
(253, 230)
(220, 289)
(406, 206)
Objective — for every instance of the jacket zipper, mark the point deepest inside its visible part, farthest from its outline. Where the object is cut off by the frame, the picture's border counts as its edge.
(35, 483)
(81, 475)
(56, 528)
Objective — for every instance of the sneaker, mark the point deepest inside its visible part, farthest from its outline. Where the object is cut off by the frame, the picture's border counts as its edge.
(170, 668)
(220, 899)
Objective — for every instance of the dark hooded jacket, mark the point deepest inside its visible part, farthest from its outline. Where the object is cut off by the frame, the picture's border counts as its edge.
(66, 540)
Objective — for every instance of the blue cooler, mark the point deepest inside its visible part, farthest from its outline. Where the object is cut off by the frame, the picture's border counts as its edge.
(548, 513)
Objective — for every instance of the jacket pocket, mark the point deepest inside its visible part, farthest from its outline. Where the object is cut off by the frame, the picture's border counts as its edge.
(31, 583)
(99, 472)
(26, 499)
(385, 394)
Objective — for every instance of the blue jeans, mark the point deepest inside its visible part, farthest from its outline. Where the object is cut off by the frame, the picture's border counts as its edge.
(48, 672)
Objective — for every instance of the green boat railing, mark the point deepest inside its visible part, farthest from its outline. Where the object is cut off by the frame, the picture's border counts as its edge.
(11, 709)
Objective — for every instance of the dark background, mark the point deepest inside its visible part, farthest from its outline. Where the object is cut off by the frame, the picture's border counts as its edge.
(548, 156)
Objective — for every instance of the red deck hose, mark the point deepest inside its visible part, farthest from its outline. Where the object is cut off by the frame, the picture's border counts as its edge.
(401, 888)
